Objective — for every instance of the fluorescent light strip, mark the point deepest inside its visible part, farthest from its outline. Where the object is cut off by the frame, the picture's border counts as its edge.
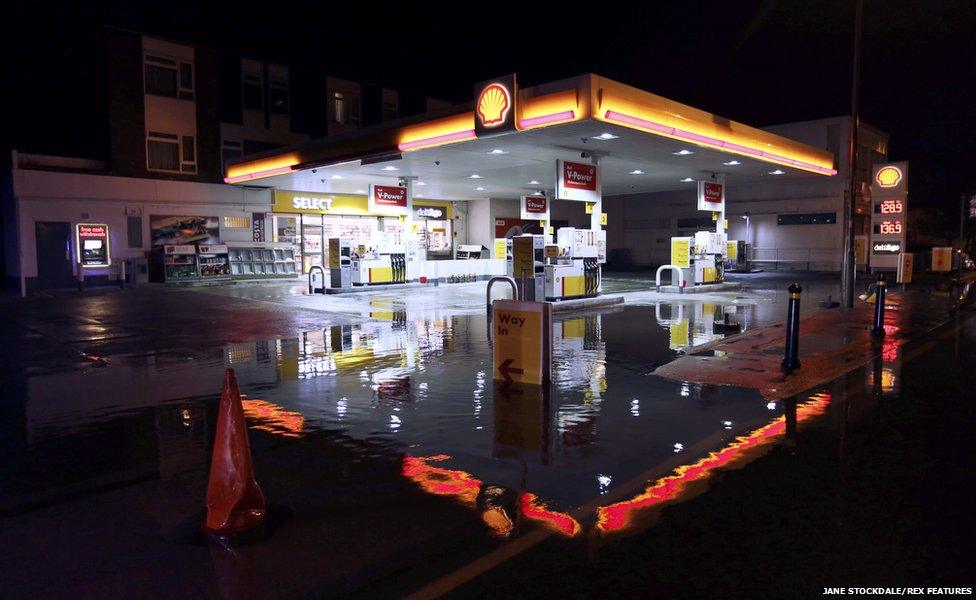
(258, 174)
(566, 115)
(437, 140)
(704, 139)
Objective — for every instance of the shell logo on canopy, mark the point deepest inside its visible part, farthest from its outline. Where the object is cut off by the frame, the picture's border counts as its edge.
(888, 176)
(493, 105)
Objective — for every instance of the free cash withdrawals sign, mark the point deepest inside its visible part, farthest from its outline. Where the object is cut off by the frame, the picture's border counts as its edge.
(522, 341)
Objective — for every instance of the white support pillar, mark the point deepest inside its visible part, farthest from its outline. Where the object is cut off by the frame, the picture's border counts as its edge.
(598, 206)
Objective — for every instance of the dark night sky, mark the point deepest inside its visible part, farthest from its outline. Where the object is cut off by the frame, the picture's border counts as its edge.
(757, 61)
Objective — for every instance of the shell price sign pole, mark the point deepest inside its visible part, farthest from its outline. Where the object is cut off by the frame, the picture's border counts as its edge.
(522, 341)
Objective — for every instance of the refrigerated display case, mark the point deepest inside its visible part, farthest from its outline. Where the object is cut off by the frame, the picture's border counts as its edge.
(213, 261)
(254, 260)
(175, 263)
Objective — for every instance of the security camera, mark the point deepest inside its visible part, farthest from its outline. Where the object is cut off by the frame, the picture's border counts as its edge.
(585, 154)
(437, 163)
(315, 170)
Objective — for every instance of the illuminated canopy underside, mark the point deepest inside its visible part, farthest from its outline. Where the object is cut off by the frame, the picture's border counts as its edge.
(557, 120)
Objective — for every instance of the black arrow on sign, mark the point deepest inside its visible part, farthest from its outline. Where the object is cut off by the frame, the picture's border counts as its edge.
(505, 368)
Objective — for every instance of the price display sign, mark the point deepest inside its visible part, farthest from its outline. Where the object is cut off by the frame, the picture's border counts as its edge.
(889, 217)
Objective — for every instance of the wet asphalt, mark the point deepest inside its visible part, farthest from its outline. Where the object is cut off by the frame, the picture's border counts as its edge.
(353, 404)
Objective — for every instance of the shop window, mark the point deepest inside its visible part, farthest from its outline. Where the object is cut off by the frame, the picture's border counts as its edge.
(168, 77)
(251, 92)
(239, 222)
(133, 230)
(162, 151)
(278, 96)
(807, 219)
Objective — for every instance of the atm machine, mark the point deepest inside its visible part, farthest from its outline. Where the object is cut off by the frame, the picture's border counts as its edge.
(574, 269)
(528, 266)
(340, 262)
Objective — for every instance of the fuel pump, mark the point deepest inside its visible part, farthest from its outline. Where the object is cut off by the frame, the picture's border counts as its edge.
(340, 262)
(528, 266)
(575, 270)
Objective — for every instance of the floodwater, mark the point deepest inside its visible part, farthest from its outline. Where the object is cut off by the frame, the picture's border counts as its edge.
(418, 387)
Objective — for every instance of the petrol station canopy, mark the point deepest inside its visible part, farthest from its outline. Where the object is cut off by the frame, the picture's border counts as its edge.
(646, 143)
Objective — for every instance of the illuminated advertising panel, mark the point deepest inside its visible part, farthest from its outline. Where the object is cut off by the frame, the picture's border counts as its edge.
(577, 181)
(494, 107)
(890, 210)
(92, 242)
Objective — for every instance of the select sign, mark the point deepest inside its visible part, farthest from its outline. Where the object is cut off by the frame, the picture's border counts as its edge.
(522, 341)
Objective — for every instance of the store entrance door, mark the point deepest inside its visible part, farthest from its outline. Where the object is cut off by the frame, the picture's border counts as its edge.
(53, 242)
(313, 247)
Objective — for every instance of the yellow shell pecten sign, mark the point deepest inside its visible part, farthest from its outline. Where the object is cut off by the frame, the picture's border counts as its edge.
(888, 176)
(493, 105)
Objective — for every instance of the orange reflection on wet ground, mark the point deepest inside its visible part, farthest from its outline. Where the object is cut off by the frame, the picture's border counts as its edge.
(532, 508)
(266, 416)
(440, 481)
(621, 516)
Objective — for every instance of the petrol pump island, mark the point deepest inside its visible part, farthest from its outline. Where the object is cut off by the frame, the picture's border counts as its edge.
(520, 169)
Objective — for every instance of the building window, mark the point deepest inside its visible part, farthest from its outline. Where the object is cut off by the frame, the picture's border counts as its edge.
(278, 96)
(229, 151)
(251, 92)
(390, 112)
(807, 219)
(339, 102)
(237, 222)
(695, 223)
(133, 230)
(168, 77)
(354, 110)
(169, 152)
(189, 154)
(162, 151)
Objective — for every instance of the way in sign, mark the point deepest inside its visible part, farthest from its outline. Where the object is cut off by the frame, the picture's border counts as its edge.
(508, 319)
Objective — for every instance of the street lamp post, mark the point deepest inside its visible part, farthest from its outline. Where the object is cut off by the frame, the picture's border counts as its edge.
(850, 265)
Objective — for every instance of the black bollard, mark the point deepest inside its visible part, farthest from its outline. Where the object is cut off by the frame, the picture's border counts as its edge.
(791, 360)
(879, 303)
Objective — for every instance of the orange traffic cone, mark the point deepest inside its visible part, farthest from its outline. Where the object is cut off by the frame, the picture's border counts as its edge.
(234, 500)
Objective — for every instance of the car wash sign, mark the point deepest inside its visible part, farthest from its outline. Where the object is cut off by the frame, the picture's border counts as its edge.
(711, 195)
(534, 207)
(577, 181)
(387, 200)
(889, 199)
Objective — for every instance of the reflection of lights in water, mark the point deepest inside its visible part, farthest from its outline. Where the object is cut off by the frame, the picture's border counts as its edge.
(341, 405)
(678, 447)
(423, 385)
(394, 422)
(273, 418)
(771, 405)
(727, 424)
(364, 376)
(187, 421)
(635, 407)
(533, 509)
(463, 486)
(604, 482)
(685, 390)
(479, 382)
(887, 379)
(439, 481)
(619, 516)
